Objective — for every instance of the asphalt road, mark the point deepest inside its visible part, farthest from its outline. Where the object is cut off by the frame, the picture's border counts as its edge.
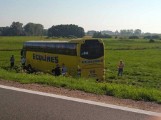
(16, 105)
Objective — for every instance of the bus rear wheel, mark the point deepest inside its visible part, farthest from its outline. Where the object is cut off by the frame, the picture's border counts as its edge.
(29, 68)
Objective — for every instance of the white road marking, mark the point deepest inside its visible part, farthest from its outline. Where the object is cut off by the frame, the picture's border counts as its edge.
(83, 101)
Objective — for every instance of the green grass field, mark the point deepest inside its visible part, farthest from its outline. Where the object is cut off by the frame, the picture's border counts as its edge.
(141, 79)
(142, 65)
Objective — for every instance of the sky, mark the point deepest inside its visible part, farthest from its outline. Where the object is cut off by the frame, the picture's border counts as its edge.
(90, 14)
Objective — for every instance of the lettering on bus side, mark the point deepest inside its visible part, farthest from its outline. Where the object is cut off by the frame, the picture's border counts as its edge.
(53, 59)
(92, 61)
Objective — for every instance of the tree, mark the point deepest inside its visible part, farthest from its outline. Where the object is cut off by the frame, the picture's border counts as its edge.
(32, 29)
(1, 31)
(117, 32)
(38, 29)
(137, 32)
(66, 31)
(5, 31)
(29, 29)
(45, 32)
(16, 29)
(123, 33)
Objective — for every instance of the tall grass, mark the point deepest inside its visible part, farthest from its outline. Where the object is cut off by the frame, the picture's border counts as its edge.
(87, 85)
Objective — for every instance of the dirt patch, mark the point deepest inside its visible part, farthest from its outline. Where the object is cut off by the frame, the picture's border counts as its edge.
(150, 106)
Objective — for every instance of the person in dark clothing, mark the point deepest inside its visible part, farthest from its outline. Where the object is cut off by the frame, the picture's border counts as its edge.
(22, 52)
(12, 61)
(57, 70)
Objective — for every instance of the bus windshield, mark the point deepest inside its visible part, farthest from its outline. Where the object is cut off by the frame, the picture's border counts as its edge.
(92, 49)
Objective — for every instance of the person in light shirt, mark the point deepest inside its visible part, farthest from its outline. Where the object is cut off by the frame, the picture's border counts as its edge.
(64, 69)
(120, 68)
(23, 60)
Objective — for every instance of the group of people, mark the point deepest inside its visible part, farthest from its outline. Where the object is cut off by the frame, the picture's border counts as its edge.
(62, 70)
(12, 61)
(57, 71)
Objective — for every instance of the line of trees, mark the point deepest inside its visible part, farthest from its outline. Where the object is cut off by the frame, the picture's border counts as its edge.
(32, 29)
(128, 32)
(124, 34)
(17, 29)
(72, 31)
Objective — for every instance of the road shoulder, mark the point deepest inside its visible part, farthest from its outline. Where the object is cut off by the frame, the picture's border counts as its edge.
(149, 106)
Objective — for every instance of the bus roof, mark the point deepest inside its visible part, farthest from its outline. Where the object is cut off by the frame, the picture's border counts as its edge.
(59, 41)
(55, 41)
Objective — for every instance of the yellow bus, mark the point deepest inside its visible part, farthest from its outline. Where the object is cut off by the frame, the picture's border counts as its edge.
(84, 57)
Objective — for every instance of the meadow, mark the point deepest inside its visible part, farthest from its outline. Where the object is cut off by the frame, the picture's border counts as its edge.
(141, 79)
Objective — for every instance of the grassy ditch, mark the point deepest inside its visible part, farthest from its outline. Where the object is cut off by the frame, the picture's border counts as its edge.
(87, 85)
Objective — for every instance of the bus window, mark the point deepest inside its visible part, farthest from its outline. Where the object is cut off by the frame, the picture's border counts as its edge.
(92, 49)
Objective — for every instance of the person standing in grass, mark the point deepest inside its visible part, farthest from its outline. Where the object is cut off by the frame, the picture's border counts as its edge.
(120, 68)
(64, 69)
(57, 70)
(23, 60)
(12, 61)
(53, 71)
